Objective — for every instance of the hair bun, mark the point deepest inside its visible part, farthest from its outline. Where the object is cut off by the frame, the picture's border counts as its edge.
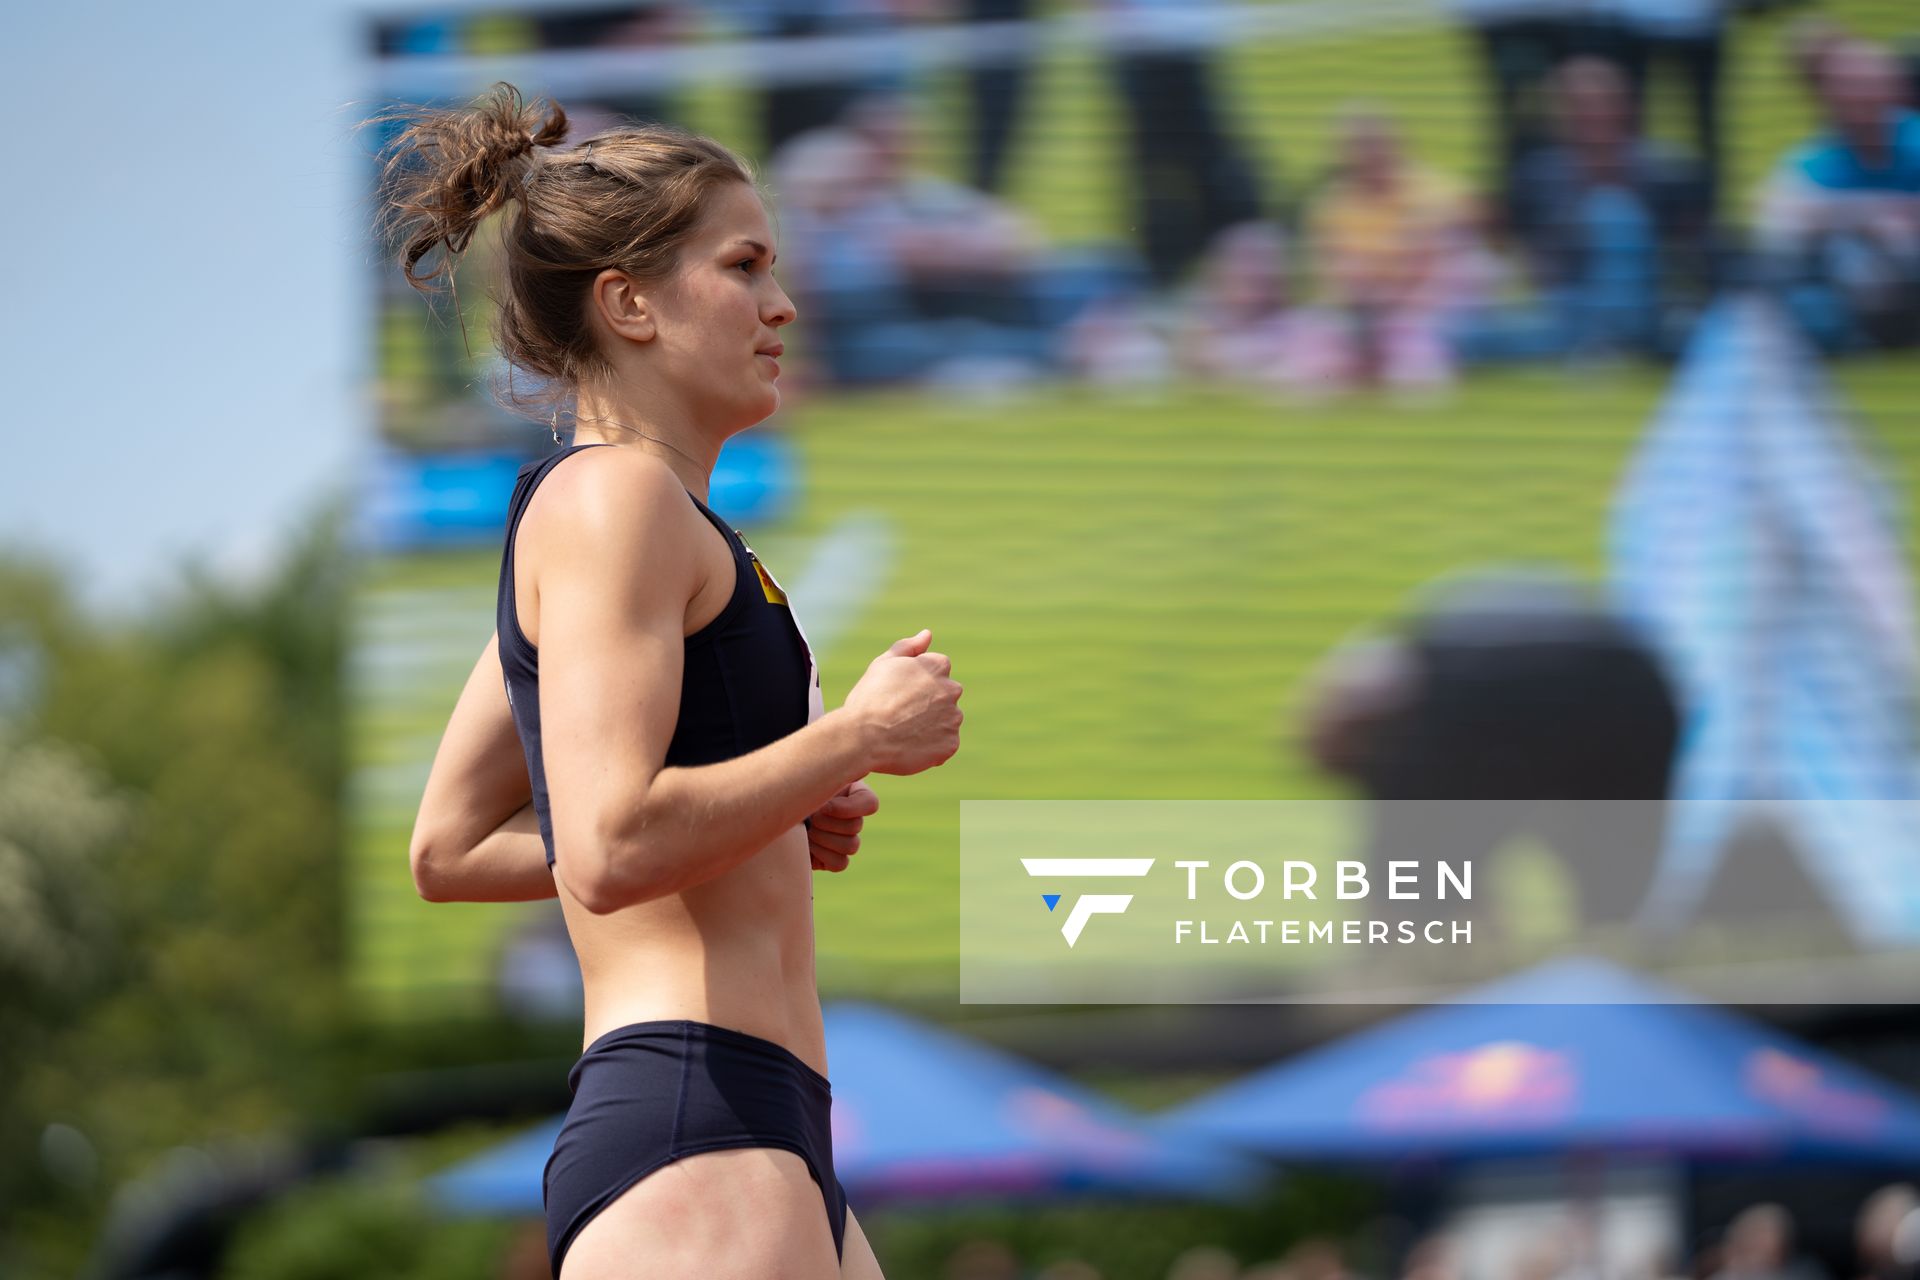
(451, 167)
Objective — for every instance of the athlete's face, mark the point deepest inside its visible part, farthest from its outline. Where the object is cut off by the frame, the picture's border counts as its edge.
(722, 312)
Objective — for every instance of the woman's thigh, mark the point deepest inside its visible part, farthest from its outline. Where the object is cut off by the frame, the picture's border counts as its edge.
(751, 1213)
(856, 1256)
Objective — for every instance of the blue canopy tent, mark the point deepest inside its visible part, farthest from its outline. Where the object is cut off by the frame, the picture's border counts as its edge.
(924, 1113)
(1575, 1056)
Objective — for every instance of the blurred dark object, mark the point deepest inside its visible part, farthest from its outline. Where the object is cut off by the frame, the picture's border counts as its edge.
(1512, 698)
(175, 1223)
(996, 88)
(791, 108)
(1191, 177)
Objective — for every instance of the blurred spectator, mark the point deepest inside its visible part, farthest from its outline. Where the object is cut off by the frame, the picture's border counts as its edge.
(911, 275)
(1239, 321)
(964, 252)
(1191, 177)
(970, 253)
(1759, 1246)
(1069, 1269)
(1887, 1234)
(1524, 42)
(1317, 1258)
(1267, 1271)
(1431, 1258)
(1839, 221)
(1600, 216)
(981, 1260)
(1576, 1246)
(1808, 40)
(1394, 260)
(1687, 36)
(1543, 1257)
(1204, 1262)
(864, 326)
(1117, 342)
(1520, 43)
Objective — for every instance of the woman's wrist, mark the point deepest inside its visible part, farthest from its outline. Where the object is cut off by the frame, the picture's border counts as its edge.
(850, 743)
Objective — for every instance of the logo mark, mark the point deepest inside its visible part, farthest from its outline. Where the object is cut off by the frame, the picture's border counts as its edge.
(1087, 905)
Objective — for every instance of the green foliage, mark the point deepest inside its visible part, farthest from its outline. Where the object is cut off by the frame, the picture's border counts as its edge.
(58, 821)
(191, 932)
(1137, 1241)
(351, 1228)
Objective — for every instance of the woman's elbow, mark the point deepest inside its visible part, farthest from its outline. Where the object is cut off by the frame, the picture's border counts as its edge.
(602, 890)
(430, 879)
(610, 878)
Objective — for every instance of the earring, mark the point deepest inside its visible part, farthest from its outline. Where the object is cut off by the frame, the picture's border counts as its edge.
(554, 423)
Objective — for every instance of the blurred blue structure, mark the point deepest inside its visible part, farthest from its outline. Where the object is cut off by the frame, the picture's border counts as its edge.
(414, 502)
(1757, 543)
(755, 478)
(418, 502)
(923, 1113)
(1574, 1056)
(502, 1181)
(919, 1111)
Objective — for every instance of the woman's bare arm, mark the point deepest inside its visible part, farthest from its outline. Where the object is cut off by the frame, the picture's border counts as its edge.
(616, 564)
(475, 838)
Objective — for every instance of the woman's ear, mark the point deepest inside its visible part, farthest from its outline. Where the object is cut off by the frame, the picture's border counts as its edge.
(621, 305)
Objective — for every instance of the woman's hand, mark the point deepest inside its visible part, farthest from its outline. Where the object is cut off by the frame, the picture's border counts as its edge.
(833, 831)
(909, 705)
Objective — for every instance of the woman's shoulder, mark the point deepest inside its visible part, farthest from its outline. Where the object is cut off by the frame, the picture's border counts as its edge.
(609, 480)
(612, 499)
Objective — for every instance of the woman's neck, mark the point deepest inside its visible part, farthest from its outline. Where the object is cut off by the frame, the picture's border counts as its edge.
(599, 420)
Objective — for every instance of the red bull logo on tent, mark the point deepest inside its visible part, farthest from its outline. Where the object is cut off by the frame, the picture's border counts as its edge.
(1507, 1079)
(1802, 1087)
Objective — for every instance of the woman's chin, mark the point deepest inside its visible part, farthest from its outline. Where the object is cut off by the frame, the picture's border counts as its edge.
(766, 407)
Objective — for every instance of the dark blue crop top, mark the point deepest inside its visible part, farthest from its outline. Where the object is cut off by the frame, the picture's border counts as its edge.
(749, 677)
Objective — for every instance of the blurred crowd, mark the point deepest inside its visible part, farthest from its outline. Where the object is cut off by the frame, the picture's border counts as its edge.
(1584, 238)
(1759, 1243)
(1600, 242)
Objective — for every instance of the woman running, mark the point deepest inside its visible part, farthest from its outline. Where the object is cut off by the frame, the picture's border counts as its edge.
(644, 735)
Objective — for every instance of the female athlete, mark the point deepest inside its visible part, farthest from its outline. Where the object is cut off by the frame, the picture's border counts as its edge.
(643, 736)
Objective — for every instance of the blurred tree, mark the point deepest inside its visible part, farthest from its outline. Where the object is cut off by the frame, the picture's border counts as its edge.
(349, 1228)
(191, 989)
(58, 819)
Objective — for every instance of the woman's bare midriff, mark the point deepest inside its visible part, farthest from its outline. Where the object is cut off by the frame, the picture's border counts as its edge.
(735, 951)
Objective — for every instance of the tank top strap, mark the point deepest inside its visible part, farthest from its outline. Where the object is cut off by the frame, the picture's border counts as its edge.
(727, 531)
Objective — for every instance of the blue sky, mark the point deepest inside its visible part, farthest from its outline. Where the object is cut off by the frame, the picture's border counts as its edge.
(186, 270)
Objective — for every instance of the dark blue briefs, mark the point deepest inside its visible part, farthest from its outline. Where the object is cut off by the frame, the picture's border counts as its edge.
(648, 1093)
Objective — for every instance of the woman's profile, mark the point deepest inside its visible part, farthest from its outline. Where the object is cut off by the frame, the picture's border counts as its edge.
(644, 735)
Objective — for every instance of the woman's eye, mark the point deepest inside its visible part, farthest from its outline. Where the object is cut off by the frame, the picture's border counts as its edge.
(747, 263)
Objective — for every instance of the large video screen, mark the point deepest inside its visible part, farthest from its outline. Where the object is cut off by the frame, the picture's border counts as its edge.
(1233, 389)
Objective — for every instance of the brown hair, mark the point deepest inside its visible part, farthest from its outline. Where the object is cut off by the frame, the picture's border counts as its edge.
(630, 197)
